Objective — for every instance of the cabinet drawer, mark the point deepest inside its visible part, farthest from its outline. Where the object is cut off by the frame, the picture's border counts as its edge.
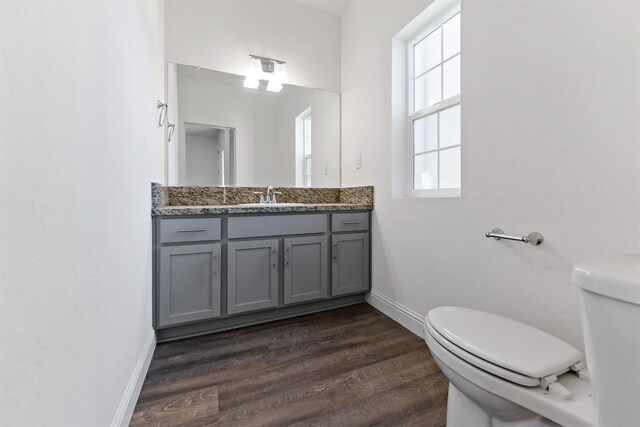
(189, 230)
(350, 222)
(277, 225)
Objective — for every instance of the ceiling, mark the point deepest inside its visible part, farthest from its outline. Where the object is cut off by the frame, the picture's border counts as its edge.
(199, 130)
(335, 7)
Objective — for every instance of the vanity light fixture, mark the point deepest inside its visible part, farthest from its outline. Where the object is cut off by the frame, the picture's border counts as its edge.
(272, 70)
(252, 80)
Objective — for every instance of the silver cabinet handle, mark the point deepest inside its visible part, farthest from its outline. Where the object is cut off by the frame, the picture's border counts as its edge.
(274, 251)
(351, 222)
(215, 264)
(192, 230)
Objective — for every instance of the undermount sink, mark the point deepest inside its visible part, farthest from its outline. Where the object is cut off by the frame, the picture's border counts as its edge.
(270, 205)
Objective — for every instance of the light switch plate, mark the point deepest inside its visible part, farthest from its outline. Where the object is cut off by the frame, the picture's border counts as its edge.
(359, 161)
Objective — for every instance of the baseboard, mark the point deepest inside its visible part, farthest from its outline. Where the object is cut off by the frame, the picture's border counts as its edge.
(124, 413)
(408, 318)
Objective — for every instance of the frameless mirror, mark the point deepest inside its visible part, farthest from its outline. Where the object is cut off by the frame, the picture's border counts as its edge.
(225, 134)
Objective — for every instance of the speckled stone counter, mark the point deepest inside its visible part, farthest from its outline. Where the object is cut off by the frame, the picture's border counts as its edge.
(192, 200)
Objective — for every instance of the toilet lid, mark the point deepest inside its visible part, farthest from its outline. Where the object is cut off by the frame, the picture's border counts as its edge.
(511, 345)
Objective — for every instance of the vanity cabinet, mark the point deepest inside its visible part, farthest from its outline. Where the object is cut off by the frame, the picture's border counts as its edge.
(189, 283)
(252, 275)
(217, 272)
(305, 269)
(350, 263)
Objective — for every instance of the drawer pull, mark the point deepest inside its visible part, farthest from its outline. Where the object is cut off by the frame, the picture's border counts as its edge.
(192, 230)
(351, 222)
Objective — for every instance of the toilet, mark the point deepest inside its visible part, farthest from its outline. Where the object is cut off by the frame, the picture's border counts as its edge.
(503, 373)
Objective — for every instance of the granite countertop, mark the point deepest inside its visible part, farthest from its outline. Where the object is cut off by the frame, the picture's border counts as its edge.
(236, 209)
(195, 200)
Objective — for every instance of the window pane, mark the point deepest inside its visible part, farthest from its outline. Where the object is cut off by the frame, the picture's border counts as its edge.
(307, 136)
(450, 127)
(425, 133)
(451, 37)
(433, 87)
(307, 146)
(450, 168)
(418, 93)
(307, 181)
(427, 53)
(425, 171)
(451, 77)
(428, 89)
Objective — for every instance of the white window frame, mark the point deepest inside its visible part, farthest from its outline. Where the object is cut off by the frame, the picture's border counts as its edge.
(306, 156)
(438, 107)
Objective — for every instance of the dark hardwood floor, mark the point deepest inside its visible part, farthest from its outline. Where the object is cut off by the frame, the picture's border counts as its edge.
(351, 366)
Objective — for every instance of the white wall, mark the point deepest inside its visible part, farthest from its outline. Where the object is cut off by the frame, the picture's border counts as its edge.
(325, 136)
(79, 148)
(219, 35)
(551, 143)
(266, 162)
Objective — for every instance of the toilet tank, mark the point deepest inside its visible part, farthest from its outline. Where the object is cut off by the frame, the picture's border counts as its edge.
(611, 322)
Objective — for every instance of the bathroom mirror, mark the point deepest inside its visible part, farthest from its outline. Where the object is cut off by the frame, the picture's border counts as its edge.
(225, 134)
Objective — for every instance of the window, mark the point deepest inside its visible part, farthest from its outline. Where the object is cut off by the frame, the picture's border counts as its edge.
(303, 148)
(306, 151)
(434, 109)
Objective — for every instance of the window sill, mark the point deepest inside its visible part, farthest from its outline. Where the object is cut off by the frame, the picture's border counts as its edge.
(436, 193)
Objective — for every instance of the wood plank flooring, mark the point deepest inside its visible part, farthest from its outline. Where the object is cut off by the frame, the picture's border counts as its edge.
(351, 366)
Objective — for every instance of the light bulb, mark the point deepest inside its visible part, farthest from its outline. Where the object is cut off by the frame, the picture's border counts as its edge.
(255, 69)
(274, 85)
(251, 83)
(280, 70)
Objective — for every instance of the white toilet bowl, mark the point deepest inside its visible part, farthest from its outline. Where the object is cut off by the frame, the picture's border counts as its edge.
(504, 373)
(481, 398)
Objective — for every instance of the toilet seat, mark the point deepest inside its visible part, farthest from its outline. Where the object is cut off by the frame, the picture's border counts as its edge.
(579, 411)
(503, 347)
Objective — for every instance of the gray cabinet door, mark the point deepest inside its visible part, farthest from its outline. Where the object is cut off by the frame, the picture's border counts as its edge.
(305, 269)
(350, 263)
(189, 283)
(252, 276)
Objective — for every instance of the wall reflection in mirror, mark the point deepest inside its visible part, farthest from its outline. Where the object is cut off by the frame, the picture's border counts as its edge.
(226, 134)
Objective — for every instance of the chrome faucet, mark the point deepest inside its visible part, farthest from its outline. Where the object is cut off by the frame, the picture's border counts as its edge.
(270, 197)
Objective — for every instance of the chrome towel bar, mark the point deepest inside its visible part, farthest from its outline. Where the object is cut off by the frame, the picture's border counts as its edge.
(534, 237)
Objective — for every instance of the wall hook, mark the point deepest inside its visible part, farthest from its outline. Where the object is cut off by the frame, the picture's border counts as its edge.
(163, 113)
(171, 127)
